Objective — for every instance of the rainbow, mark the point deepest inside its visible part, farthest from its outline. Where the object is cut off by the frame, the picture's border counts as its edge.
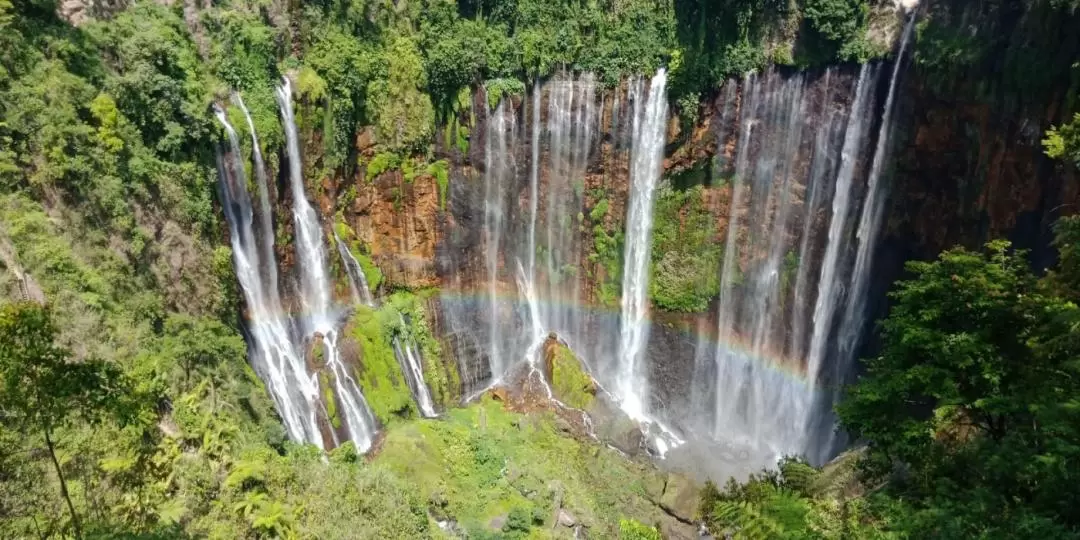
(790, 368)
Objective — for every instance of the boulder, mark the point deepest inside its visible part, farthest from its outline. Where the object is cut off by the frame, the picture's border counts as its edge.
(654, 486)
(680, 498)
(565, 519)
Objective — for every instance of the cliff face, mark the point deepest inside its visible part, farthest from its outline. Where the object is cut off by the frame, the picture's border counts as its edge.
(760, 275)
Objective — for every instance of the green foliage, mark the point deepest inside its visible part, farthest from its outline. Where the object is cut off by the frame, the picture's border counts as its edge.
(632, 530)
(1063, 142)
(974, 394)
(380, 376)
(685, 251)
(440, 171)
(402, 113)
(43, 389)
(498, 89)
(797, 501)
(382, 162)
(440, 373)
(483, 462)
(606, 255)
(1018, 55)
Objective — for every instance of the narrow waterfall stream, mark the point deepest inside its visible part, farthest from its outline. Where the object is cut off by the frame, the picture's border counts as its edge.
(411, 363)
(273, 349)
(647, 154)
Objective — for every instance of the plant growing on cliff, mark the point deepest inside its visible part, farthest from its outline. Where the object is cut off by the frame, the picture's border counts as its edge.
(403, 115)
(1063, 142)
(499, 89)
(606, 254)
(686, 252)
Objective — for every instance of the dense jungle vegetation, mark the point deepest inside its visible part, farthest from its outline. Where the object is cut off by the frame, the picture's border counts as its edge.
(127, 407)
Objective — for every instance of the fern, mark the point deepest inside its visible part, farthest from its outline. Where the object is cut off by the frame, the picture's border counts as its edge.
(746, 521)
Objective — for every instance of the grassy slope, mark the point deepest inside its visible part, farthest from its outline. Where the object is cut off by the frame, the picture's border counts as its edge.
(482, 462)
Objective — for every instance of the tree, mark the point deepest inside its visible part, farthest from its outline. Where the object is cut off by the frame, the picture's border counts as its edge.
(42, 388)
(974, 398)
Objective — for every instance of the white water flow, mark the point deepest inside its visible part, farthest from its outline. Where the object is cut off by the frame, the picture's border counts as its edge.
(499, 169)
(799, 144)
(358, 285)
(315, 287)
(839, 240)
(273, 352)
(266, 227)
(649, 125)
(411, 365)
(870, 219)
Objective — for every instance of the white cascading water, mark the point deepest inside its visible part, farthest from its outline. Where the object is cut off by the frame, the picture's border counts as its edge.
(870, 219)
(273, 351)
(410, 363)
(358, 285)
(499, 169)
(409, 358)
(839, 240)
(647, 154)
(315, 286)
(266, 227)
(853, 326)
(798, 143)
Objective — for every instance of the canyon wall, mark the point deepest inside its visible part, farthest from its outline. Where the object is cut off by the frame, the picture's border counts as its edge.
(506, 223)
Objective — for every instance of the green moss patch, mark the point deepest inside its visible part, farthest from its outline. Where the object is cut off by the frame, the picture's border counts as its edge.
(380, 375)
(570, 383)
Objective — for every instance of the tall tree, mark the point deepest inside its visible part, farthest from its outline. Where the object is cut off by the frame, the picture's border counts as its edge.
(974, 397)
(41, 388)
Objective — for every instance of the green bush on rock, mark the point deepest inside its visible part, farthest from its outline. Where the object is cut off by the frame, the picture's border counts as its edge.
(686, 252)
(482, 465)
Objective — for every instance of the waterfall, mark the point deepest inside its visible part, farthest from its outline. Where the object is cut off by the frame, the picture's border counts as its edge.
(315, 286)
(266, 227)
(838, 240)
(799, 144)
(413, 369)
(870, 219)
(358, 285)
(647, 153)
(273, 352)
(499, 168)
(854, 322)
(314, 281)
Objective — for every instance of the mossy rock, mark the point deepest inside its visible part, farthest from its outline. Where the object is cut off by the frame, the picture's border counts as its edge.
(570, 383)
(680, 497)
(379, 374)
